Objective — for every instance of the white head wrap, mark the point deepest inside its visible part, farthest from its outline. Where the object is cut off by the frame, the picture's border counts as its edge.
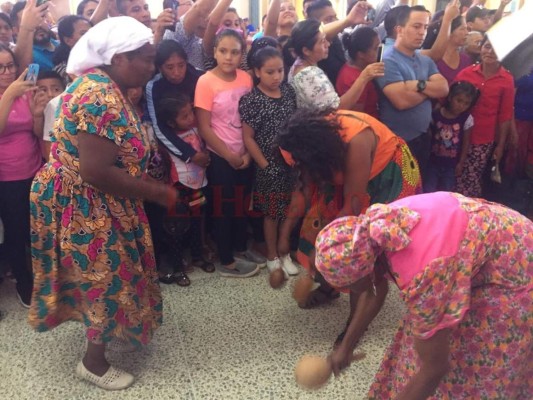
(111, 36)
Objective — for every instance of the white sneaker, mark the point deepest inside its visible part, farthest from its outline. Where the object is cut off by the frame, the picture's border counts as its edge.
(275, 264)
(288, 265)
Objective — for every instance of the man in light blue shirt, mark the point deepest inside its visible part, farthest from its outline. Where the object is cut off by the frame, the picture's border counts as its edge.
(411, 80)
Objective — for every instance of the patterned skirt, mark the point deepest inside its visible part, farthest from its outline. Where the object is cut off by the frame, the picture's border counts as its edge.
(491, 352)
(400, 178)
(93, 261)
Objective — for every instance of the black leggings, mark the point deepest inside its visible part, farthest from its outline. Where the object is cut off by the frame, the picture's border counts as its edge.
(15, 214)
(230, 196)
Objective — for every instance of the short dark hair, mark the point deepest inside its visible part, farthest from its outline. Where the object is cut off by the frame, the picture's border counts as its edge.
(17, 7)
(391, 19)
(166, 49)
(476, 12)
(405, 14)
(303, 34)
(50, 74)
(65, 29)
(434, 29)
(168, 108)
(359, 40)
(316, 6)
(81, 7)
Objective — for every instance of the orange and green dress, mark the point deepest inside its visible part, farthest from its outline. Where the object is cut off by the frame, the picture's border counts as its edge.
(394, 174)
(92, 252)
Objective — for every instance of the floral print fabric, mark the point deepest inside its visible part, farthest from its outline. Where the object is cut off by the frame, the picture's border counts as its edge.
(92, 252)
(484, 295)
(313, 89)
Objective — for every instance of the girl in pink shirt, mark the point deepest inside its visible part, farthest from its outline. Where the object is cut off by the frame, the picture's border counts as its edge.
(229, 174)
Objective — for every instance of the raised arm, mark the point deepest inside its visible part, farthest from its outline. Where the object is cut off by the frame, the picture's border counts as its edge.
(195, 16)
(215, 19)
(357, 16)
(101, 11)
(499, 12)
(271, 22)
(438, 49)
(32, 17)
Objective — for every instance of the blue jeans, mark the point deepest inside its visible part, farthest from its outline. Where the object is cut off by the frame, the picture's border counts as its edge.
(439, 177)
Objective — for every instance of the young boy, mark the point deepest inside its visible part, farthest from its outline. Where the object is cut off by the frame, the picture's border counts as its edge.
(49, 83)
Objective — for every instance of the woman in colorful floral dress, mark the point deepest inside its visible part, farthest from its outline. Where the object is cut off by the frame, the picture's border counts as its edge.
(92, 250)
(464, 268)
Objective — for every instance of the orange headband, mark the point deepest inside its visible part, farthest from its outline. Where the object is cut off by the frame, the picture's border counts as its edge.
(287, 156)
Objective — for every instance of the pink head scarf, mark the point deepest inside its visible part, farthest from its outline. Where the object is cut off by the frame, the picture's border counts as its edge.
(347, 248)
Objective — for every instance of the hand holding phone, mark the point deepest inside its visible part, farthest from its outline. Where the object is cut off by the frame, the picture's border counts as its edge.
(33, 72)
(173, 5)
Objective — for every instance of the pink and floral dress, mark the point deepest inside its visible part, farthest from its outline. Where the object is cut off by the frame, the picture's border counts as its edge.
(468, 268)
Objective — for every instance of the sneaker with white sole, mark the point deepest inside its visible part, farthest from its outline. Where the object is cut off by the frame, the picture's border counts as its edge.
(289, 266)
(113, 379)
(241, 269)
(252, 257)
(275, 264)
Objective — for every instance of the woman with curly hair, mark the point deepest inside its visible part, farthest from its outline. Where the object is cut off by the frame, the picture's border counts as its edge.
(347, 160)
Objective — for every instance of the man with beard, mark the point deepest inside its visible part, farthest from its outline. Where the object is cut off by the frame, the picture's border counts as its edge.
(43, 43)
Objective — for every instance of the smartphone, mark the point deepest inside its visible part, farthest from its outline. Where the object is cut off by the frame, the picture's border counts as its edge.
(370, 15)
(382, 49)
(173, 5)
(33, 72)
(41, 2)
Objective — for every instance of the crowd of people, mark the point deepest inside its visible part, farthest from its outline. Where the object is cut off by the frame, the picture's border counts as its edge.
(148, 147)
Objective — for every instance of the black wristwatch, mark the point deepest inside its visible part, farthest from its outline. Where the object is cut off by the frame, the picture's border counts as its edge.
(421, 86)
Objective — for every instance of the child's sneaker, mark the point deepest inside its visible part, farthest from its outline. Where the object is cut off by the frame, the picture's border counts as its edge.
(288, 265)
(241, 269)
(275, 264)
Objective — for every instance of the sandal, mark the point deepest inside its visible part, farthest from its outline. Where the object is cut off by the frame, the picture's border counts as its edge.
(167, 279)
(204, 264)
(182, 279)
(319, 297)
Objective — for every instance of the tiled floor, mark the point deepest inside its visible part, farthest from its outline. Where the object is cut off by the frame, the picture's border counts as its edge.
(221, 339)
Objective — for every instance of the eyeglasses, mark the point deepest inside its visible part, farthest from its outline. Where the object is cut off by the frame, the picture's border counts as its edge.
(8, 67)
